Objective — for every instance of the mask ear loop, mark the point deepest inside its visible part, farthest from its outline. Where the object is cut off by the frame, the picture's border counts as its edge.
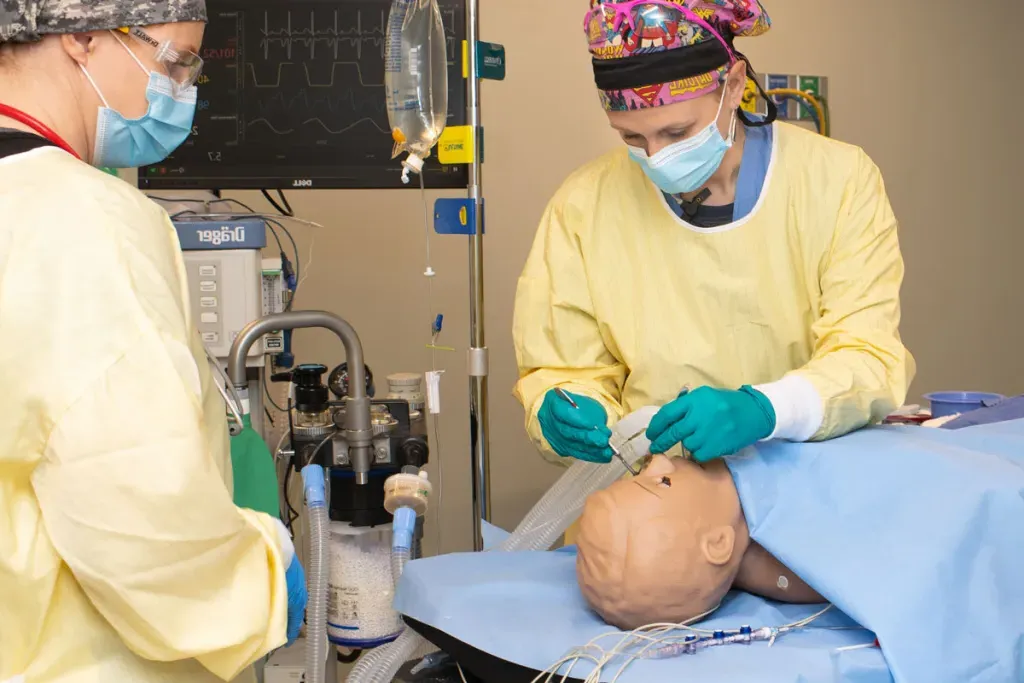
(95, 87)
(130, 53)
(92, 82)
(721, 106)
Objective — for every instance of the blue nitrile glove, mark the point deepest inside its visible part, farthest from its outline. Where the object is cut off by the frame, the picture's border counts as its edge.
(711, 423)
(295, 580)
(580, 433)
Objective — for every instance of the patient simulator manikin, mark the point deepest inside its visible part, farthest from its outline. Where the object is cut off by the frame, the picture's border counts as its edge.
(668, 544)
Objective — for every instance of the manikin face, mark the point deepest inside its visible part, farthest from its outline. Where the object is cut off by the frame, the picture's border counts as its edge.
(664, 546)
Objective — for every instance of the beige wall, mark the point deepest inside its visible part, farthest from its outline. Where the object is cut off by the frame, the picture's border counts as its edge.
(928, 91)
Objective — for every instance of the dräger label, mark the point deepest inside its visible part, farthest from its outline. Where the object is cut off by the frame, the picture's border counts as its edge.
(222, 236)
(199, 235)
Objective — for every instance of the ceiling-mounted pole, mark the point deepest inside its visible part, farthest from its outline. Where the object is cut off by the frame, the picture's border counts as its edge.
(479, 433)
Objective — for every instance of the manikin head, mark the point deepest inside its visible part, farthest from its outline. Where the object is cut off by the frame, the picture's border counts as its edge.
(664, 546)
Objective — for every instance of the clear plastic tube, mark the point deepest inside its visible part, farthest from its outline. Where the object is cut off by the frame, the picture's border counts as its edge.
(316, 611)
(381, 664)
(557, 510)
(563, 502)
(399, 558)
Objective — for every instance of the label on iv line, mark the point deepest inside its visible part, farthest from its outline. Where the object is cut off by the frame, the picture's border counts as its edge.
(456, 145)
(434, 391)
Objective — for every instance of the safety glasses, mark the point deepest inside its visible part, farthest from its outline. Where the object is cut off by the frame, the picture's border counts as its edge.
(183, 66)
(647, 20)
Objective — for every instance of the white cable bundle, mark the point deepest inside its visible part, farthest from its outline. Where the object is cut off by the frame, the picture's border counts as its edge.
(649, 636)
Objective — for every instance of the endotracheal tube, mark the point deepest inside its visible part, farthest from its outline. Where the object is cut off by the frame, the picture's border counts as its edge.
(416, 80)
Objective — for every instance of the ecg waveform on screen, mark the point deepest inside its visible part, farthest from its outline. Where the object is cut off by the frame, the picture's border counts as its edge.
(277, 81)
(314, 77)
(317, 100)
(317, 107)
(333, 36)
(316, 122)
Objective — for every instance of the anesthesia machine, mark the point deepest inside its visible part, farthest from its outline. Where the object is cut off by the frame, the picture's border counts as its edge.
(365, 516)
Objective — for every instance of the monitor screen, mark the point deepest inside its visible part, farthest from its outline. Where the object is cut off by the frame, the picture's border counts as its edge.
(292, 97)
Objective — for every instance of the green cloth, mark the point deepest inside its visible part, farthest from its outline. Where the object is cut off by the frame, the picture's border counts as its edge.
(255, 476)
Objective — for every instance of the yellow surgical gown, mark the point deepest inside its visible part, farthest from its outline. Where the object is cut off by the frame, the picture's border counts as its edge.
(622, 301)
(122, 556)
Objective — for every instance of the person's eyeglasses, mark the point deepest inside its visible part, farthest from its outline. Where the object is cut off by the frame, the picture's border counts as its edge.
(183, 66)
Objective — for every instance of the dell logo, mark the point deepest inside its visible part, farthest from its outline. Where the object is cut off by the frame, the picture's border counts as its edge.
(302, 183)
(224, 235)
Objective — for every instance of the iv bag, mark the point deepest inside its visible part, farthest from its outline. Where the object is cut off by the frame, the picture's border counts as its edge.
(416, 80)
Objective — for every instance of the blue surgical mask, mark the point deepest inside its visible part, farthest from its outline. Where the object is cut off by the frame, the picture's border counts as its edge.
(151, 138)
(685, 166)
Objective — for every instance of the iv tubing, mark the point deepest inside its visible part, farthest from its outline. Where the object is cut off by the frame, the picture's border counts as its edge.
(429, 273)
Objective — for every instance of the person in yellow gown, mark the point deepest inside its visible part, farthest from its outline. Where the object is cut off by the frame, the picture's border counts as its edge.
(743, 273)
(123, 557)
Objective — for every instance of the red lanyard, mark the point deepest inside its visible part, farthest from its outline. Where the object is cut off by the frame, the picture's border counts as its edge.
(39, 127)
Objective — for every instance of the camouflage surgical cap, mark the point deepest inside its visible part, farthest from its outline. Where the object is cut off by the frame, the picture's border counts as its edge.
(24, 21)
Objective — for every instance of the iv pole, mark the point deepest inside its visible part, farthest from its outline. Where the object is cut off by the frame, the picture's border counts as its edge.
(478, 361)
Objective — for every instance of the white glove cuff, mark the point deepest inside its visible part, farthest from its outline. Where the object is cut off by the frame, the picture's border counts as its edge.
(284, 542)
(799, 410)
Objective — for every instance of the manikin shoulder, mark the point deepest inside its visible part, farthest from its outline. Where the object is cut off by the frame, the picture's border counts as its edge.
(761, 574)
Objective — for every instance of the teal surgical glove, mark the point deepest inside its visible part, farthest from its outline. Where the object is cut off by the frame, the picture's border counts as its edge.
(712, 423)
(581, 433)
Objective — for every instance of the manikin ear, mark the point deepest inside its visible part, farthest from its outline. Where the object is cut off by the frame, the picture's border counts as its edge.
(717, 545)
(79, 46)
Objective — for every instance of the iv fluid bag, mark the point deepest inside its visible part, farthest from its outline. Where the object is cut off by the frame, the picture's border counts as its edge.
(416, 78)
